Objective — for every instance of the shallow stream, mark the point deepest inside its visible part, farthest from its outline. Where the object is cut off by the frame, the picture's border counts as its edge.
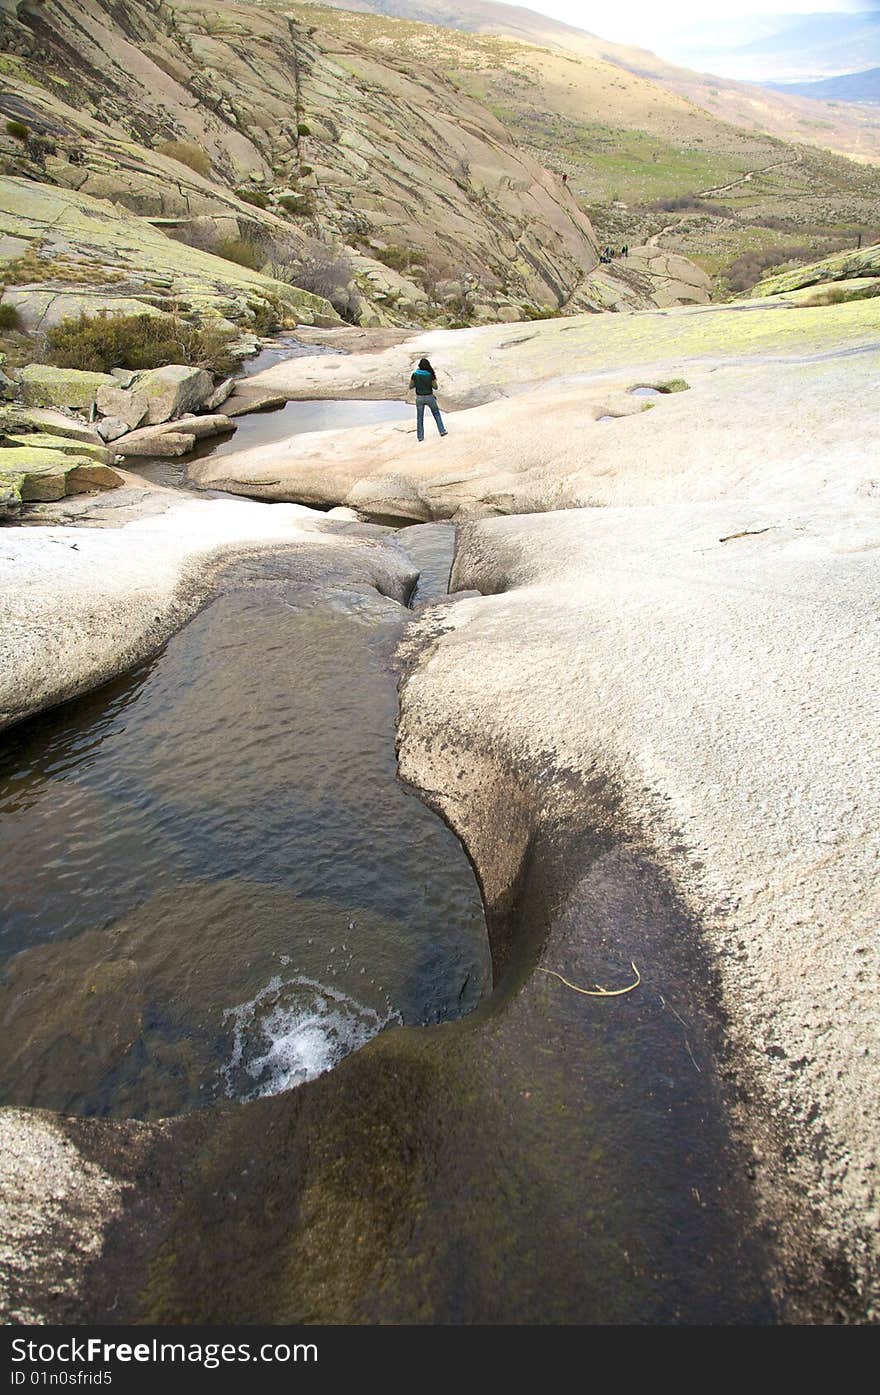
(215, 885)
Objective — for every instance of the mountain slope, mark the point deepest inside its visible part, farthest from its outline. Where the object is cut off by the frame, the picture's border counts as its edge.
(844, 130)
(647, 163)
(848, 87)
(309, 137)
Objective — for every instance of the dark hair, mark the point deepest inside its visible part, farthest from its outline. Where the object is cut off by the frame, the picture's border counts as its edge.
(425, 365)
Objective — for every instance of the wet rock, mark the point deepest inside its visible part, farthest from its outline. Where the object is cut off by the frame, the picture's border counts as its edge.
(259, 400)
(151, 440)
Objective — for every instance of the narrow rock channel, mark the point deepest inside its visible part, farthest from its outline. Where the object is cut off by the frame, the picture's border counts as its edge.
(220, 889)
(216, 885)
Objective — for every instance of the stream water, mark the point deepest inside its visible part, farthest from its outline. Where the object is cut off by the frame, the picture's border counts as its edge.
(214, 884)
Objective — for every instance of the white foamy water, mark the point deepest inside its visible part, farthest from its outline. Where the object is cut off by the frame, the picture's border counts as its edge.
(292, 1031)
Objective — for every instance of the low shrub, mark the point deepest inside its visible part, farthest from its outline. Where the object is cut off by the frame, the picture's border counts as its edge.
(299, 204)
(303, 130)
(243, 251)
(748, 269)
(9, 317)
(256, 197)
(187, 153)
(305, 170)
(541, 312)
(103, 341)
(17, 129)
(319, 267)
(400, 258)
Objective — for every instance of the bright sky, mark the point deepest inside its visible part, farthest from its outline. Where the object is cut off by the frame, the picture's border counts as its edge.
(641, 21)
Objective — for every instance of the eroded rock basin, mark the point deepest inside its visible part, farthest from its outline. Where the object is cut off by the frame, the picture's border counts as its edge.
(215, 885)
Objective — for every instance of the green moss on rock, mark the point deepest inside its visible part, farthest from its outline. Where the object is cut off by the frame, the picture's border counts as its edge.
(43, 385)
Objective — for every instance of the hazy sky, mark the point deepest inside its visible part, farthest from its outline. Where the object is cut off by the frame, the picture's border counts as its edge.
(631, 21)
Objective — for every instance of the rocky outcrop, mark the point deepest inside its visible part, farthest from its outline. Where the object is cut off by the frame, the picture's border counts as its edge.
(62, 252)
(304, 133)
(850, 267)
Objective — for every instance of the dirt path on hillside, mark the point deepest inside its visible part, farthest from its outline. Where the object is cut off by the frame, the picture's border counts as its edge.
(745, 179)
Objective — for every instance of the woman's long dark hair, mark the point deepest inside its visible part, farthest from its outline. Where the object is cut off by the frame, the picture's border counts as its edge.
(425, 366)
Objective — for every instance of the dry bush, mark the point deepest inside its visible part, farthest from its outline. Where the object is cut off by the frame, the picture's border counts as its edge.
(187, 153)
(104, 341)
(244, 251)
(748, 269)
(316, 266)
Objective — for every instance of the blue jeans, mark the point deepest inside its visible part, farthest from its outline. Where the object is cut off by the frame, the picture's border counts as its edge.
(423, 401)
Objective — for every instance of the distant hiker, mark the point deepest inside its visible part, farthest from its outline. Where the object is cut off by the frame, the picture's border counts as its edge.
(424, 380)
(565, 179)
(625, 250)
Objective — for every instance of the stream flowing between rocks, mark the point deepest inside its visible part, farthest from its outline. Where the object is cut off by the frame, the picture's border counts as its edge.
(216, 888)
(214, 884)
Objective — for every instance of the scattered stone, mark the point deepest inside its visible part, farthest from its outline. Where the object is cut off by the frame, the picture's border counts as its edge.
(257, 401)
(111, 428)
(220, 394)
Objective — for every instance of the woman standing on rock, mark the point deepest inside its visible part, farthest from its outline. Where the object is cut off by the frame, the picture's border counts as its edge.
(424, 380)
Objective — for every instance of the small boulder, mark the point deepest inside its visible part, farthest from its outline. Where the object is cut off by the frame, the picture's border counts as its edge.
(120, 404)
(111, 428)
(215, 425)
(152, 441)
(220, 394)
(174, 390)
(243, 402)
